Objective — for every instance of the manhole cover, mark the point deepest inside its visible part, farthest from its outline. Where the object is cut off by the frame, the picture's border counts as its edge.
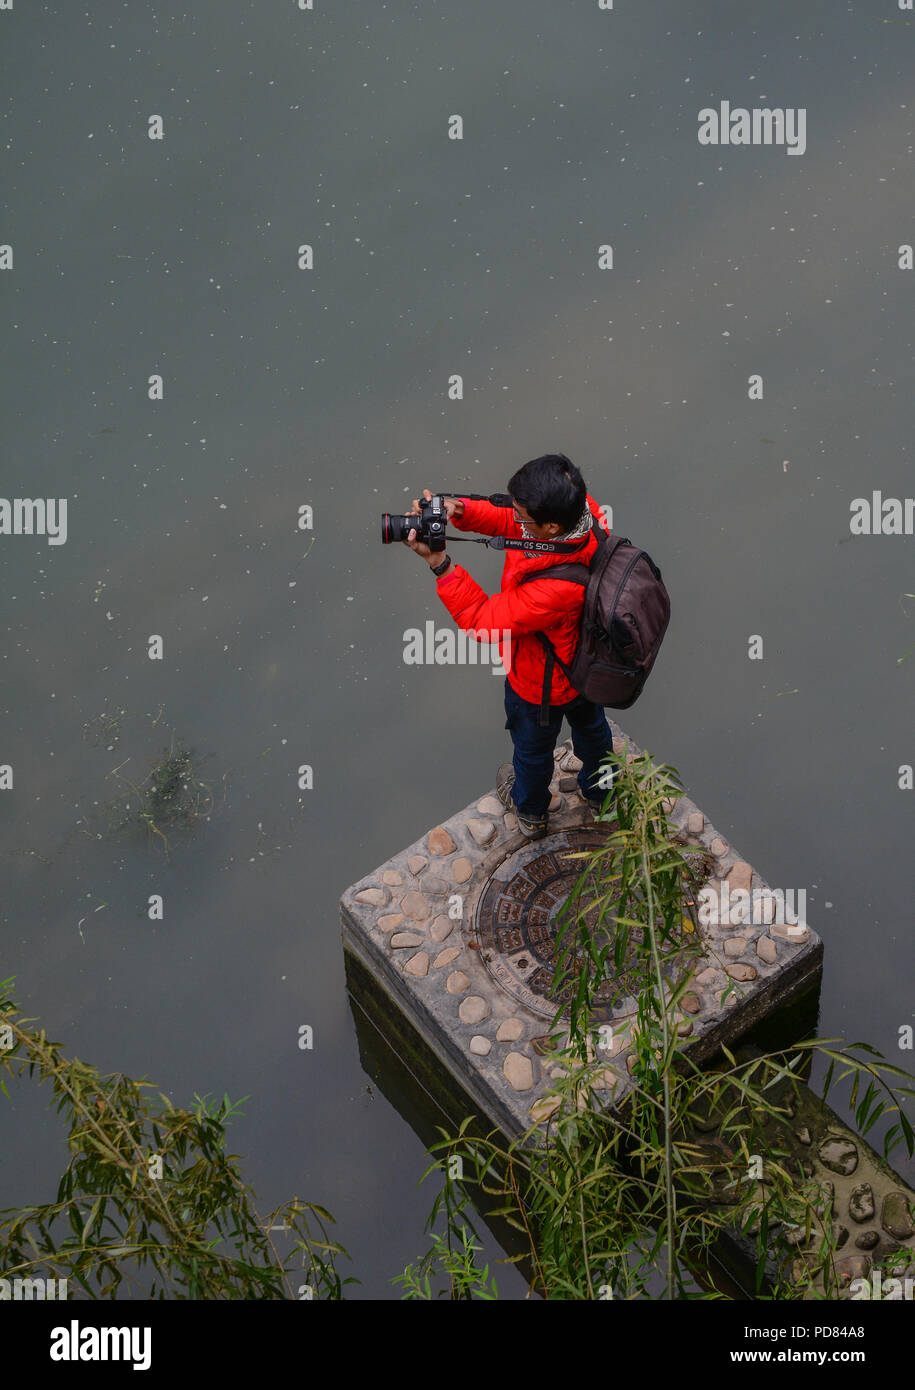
(516, 924)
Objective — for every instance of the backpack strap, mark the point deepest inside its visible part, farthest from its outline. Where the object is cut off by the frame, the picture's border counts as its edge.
(576, 574)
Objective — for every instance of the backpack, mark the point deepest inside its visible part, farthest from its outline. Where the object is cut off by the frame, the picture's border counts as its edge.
(624, 618)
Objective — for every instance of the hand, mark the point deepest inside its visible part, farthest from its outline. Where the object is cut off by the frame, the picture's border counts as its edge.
(454, 506)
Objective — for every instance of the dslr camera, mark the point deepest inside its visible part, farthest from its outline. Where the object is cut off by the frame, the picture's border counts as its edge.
(429, 525)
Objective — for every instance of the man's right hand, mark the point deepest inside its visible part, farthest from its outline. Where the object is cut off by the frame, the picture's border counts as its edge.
(454, 506)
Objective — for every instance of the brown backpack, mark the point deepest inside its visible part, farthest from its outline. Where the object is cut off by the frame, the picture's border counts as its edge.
(623, 621)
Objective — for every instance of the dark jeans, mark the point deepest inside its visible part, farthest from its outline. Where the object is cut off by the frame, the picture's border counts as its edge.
(533, 760)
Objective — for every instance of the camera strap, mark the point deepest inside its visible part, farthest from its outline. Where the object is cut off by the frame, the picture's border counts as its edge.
(529, 547)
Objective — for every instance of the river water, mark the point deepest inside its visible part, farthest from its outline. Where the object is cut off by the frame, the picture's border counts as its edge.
(327, 388)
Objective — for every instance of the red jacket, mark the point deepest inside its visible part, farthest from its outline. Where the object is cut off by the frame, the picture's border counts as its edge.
(552, 606)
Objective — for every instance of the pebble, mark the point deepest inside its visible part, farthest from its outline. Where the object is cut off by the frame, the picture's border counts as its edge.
(480, 1046)
(695, 823)
(838, 1154)
(766, 949)
(457, 982)
(545, 1107)
(511, 820)
(518, 1071)
(895, 1217)
(803, 1135)
(473, 1009)
(440, 842)
(719, 847)
(441, 927)
(707, 977)
(461, 870)
(490, 806)
(690, 1003)
(568, 784)
(852, 1267)
(446, 957)
(482, 830)
(786, 931)
(375, 897)
(861, 1205)
(570, 763)
(388, 923)
(867, 1240)
(416, 906)
(392, 877)
(416, 863)
(741, 972)
(510, 1030)
(418, 964)
(402, 939)
(556, 803)
(684, 1028)
(735, 946)
(740, 876)
(434, 885)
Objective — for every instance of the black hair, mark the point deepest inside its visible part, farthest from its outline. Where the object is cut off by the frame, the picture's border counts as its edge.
(550, 488)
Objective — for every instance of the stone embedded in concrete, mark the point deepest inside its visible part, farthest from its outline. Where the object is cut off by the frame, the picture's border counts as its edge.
(440, 842)
(511, 820)
(393, 877)
(766, 950)
(543, 1109)
(480, 1046)
(482, 830)
(695, 823)
(418, 964)
(457, 982)
(708, 977)
(718, 847)
(375, 897)
(490, 806)
(473, 1009)
(435, 887)
(735, 946)
(691, 1003)
(797, 933)
(804, 1135)
(416, 863)
(402, 939)
(556, 803)
(740, 876)
(461, 870)
(518, 1071)
(416, 906)
(509, 1030)
(570, 763)
(895, 1216)
(861, 1205)
(741, 972)
(568, 784)
(391, 921)
(441, 928)
(837, 1154)
(867, 1240)
(446, 957)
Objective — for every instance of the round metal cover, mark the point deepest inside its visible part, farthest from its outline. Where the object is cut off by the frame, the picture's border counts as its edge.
(516, 923)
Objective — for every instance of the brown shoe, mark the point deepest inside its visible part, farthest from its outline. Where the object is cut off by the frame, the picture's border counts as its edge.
(505, 780)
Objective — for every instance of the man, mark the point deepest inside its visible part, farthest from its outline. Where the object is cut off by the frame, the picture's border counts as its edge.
(550, 502)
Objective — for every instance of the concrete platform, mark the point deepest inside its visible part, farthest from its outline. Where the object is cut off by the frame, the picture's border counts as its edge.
(456, 930)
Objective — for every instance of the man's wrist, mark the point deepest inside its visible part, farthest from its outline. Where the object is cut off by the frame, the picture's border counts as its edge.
(441, 566)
